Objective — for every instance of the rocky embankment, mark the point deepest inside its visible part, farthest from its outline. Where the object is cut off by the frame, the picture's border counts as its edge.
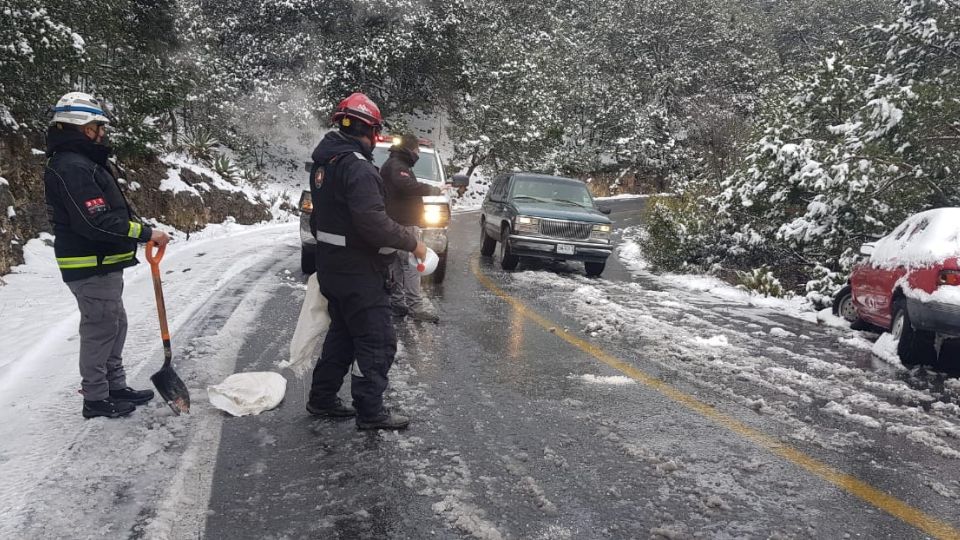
(170, 191)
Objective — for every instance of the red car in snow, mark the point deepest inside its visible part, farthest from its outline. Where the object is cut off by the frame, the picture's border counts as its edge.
(910, 286)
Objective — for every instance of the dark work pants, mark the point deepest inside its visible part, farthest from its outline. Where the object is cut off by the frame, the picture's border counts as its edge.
(103, 331)
(360, 334)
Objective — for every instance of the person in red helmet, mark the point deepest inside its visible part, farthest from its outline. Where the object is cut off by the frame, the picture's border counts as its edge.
(356, 245)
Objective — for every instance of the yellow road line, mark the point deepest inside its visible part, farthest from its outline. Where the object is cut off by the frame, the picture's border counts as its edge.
(884, 501)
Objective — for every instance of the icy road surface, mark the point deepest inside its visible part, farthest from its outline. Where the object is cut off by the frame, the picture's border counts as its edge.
(546, 405)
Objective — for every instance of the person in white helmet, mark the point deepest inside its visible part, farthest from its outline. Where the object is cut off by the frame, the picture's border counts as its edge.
(96, 238)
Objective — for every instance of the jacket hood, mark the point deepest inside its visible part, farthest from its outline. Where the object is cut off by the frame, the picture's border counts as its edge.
(69, 140)
(404, 154)
(335, 143)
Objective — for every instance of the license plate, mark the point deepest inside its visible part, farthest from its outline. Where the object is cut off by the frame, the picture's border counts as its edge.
(564, 249)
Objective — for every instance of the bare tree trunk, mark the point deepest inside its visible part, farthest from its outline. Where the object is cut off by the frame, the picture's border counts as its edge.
(173, 129)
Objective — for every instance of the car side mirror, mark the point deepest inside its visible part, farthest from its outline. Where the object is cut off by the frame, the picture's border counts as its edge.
(460, 180)
(868, 248)
(604, 210)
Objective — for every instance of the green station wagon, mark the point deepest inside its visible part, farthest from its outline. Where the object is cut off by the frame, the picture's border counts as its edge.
(545, 217)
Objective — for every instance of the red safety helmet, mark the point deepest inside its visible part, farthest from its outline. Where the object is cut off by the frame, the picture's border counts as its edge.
(359, 107)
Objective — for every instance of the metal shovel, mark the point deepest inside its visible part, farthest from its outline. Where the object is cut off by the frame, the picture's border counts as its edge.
(168, 383)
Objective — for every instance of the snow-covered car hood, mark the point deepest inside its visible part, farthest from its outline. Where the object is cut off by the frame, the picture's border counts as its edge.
(924, 239)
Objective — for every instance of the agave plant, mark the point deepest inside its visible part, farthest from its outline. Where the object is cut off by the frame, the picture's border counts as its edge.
(225, 167)
(252, 176)
(201, 145)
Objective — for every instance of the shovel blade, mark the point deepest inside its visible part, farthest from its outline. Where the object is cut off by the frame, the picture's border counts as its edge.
(172, 389)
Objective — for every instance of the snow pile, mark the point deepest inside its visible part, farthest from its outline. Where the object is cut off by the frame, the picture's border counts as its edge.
(624, 196)
(885, 349)
(615, 380)
(631, 254)
(923, 239)
(250, 393)
(713, 342)
(946, 294)
(175, 184)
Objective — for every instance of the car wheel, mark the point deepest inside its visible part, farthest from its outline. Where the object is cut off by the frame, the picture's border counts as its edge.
(594, 269)
(508, 261)
(915, 347)
(843, 305)
(308, 260)
(441, 272)
(487, 244)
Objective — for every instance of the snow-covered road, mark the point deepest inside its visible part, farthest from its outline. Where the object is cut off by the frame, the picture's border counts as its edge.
(66, 477)
(546, 405)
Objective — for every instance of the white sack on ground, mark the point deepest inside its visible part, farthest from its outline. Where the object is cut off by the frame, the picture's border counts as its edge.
(242, 394)
(313, 322)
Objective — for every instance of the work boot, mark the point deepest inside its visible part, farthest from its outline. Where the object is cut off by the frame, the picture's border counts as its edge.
(137, 397)
(109, 408)
(424, 315)
(386, 420)
(338, 410)
(399, 311)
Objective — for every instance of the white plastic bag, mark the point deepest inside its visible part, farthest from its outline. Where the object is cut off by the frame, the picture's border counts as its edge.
(312, 324)
(242, 394)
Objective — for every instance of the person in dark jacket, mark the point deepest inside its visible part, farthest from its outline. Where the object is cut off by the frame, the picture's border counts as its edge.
(404, 201)
(356, 243)
(96, 236)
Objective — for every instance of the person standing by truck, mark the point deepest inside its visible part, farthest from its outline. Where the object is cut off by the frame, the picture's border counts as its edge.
(356, 244)
(404, 202)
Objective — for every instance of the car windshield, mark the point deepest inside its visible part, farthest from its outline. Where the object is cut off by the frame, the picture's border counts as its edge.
(426, 167)
(553, 191)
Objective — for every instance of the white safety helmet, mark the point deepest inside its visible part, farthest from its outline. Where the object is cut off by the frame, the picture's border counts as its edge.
(78, 109)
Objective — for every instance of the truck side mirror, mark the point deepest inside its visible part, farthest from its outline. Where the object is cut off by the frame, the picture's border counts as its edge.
(308, 166)
(460, 180)
(604, 210)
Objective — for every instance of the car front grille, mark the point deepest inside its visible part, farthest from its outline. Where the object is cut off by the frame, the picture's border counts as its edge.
(568, 230)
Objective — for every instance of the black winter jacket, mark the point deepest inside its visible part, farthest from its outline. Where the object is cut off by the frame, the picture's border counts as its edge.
(347, 194)
(96, 233)
(404, 195)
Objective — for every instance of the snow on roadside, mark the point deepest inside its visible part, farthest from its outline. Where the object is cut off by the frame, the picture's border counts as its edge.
(631, 254)
(678, 330)
(626, 196)
(40, 407)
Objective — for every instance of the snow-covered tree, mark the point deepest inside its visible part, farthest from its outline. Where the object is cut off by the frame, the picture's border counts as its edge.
(870, 138)
(37, 52)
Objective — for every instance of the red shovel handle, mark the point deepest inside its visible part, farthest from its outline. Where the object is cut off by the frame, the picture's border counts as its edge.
(155, 258)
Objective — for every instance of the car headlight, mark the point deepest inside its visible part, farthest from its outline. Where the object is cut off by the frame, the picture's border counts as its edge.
(527, 224)
(601, 233)
(435, 215)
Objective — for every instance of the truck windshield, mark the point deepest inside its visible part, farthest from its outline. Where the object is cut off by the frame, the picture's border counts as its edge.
(545, 190)
(426, 167)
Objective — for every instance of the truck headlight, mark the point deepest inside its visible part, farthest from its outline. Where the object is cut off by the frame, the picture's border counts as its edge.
(435, 215)
(527, 224)
(601, 233)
